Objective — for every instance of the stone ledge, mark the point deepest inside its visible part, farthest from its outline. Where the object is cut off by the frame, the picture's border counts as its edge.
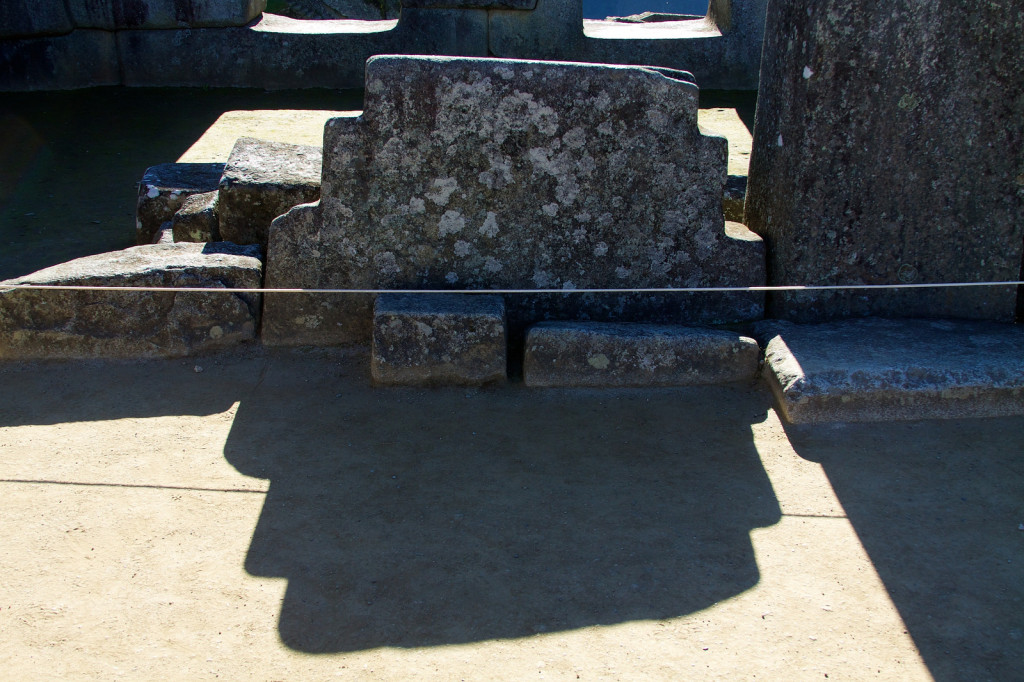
(443, 339)
(595, 354)
(879, 370)
(60, 324)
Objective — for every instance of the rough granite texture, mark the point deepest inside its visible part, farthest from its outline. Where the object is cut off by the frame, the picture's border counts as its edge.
(888, 148)
(873, 369)
(80, 59)
(471, 4)
(438, 339)
(609, 355)
(281, 53)
(482, 174)
(54, 324)
(196, 220)
(115, 15)
(262, 180)
(164, 189)
(166, 234)
(367, 10)
(33, 18)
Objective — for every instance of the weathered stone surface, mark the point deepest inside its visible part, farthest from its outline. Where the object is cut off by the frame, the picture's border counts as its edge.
(277, 52)
(471, 4)
(722, 50)
(165, 235)
(164, 189)
(261, 181)
(368, 10)
(196, 220)
(874, 369)
(608, 354)
(482, 174)
(52, 324)
(79, 59)
(113, 15)
(438, 339)
(33, 18)
(888, 146)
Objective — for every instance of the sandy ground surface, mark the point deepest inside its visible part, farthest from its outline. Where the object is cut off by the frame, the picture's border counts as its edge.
(274, 517)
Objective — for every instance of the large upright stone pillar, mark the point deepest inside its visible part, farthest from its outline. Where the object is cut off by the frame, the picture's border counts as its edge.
(889, 147)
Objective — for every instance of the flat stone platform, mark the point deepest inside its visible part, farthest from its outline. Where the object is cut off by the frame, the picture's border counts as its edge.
(293, 126)
(880, 370)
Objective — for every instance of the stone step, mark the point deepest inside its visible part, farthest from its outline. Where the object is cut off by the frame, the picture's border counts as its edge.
(573, 354)
(163, 190)
(881, 369)
(50, 324)
(262, 180)
(438, 339)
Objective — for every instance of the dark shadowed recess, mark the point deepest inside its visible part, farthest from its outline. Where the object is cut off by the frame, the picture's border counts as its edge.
(415, 518)
(940, 522)
(70, 162)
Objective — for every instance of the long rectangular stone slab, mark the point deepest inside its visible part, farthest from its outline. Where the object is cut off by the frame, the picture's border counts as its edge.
(65, 324)
(878, 370)
(598, 354)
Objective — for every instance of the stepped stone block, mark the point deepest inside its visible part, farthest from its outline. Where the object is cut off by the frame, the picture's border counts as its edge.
(614, 355)
(887, 149)
(878, 370)
(196, 220)
(438, 339)
(488, 173)
(56, 324)
(262, 180)
(164, 189)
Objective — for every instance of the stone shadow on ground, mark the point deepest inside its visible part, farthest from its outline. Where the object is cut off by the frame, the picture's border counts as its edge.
(411, 518)
(937, 505)
(57, 392)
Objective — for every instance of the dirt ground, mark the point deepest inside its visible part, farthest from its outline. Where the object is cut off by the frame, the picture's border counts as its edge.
(275, 517)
